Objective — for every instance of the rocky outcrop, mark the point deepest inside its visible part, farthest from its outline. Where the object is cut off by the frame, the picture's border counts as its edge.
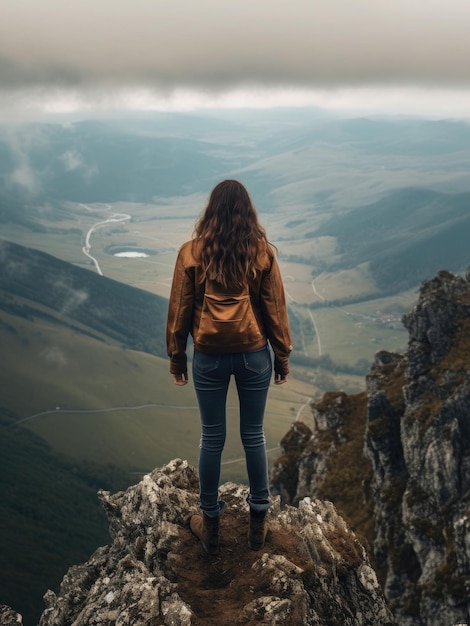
(312, 571)
(8, 617)
(418, 439)
(413, 474)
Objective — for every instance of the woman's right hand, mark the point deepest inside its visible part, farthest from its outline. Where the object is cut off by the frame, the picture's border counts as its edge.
(280, 379)
(180, 379)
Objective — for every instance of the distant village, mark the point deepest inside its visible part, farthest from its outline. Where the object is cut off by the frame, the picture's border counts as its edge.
(387, 318)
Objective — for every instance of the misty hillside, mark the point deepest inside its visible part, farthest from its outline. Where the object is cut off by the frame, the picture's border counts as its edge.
(285, 157)
(97, 161)
(406, 236)
(37, 285)
(391, 136)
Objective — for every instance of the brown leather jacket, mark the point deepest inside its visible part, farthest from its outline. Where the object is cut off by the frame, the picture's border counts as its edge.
(267, 298)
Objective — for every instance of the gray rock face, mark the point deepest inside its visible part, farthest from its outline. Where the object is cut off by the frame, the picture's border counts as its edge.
(312, 571)
(418, 438)
(415, 462)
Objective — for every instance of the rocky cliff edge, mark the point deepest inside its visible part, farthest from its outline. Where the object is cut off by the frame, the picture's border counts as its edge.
(312, 571)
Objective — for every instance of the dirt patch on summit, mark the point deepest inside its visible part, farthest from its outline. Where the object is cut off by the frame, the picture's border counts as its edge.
(217, 588)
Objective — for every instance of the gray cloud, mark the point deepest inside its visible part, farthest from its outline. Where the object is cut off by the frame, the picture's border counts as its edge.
(216, 44)
(72, 161)
(74, 298)
(23, 174)
(54, 356)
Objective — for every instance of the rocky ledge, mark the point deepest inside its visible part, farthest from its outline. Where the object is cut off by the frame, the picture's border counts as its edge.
(312, 571)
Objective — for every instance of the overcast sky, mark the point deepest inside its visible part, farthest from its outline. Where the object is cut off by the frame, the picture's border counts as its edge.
(65, 54)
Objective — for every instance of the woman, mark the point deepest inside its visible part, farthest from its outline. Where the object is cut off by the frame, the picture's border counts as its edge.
(228, 294)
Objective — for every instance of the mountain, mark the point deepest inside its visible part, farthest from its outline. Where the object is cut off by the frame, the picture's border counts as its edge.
(395, 459)
(35, 285)
(287, 157)
(311, 571)
(406, 236)
(73, 340)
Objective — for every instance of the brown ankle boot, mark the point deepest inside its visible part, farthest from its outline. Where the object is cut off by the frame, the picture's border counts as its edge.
(257, 530)
(206, 530)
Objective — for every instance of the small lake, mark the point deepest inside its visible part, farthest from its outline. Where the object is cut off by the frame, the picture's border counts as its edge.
(130, 251)
(132, 255)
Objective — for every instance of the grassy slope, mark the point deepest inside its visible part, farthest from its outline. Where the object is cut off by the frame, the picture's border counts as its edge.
(50, 518)
(49, 366)
(68, 337)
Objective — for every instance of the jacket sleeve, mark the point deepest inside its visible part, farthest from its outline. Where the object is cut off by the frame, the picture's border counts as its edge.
(274, 308)
(180, 317)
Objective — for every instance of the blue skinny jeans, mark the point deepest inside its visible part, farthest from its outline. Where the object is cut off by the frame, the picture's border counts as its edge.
(211, 375)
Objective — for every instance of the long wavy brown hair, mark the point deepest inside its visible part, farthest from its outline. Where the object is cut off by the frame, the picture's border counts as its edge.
(230, 234)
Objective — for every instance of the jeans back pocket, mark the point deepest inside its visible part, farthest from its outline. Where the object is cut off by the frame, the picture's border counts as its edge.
(257, 360)
(203, 362)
